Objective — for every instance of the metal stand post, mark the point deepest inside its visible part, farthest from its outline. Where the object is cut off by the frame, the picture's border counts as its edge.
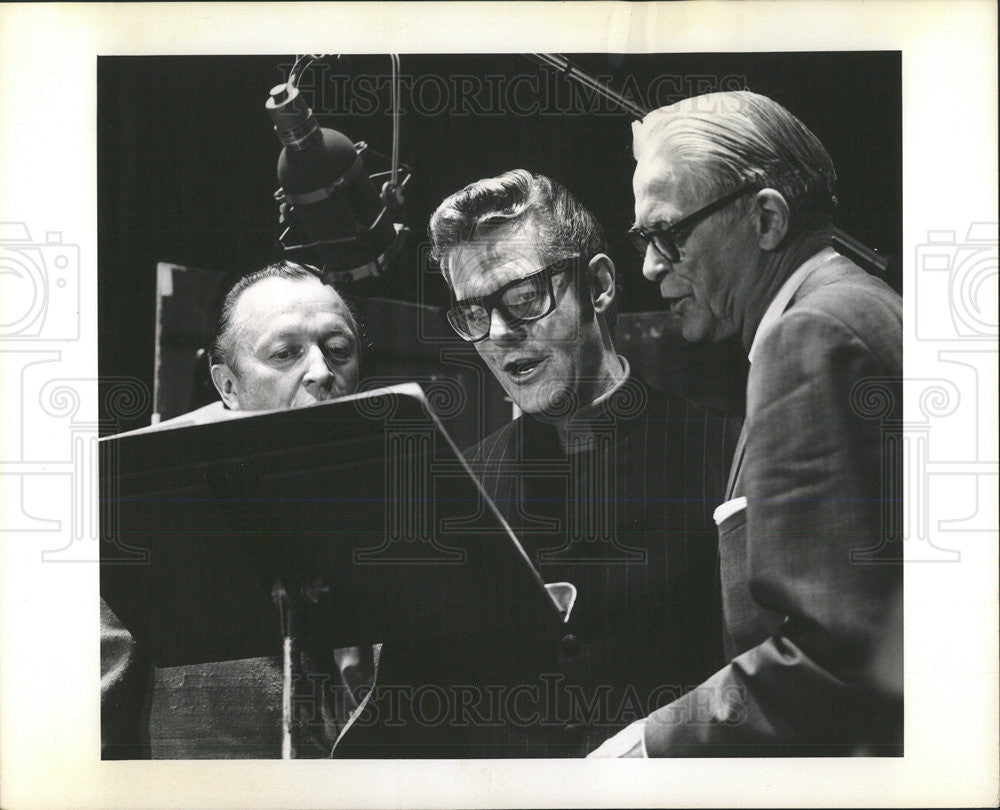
(283, 602)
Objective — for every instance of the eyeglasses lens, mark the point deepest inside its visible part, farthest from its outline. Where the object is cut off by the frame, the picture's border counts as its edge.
(469, 320)
(528, 299)
(663, 244)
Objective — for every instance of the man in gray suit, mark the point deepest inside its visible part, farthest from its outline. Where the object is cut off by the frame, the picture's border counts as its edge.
(734, 199)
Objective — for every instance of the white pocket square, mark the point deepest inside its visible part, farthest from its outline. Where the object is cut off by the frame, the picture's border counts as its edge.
(728, 509)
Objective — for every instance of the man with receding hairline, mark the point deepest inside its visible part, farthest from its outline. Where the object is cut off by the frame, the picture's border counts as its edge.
(284, 340)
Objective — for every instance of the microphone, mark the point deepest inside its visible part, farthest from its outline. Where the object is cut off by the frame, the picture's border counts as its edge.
(326, 192)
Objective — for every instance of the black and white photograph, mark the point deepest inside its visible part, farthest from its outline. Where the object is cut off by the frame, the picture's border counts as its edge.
(502, 195)
(450, 413)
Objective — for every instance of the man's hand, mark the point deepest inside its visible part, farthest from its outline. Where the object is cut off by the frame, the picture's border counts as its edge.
(628, 742)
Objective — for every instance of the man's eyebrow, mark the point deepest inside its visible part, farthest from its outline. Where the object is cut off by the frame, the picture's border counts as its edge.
(340, 330)
(285, 334)
(657, 224)
(476, 299)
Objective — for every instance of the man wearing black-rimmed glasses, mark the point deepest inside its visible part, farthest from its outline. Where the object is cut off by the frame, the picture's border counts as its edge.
(734, 201)
(534, 295)
(607, 484)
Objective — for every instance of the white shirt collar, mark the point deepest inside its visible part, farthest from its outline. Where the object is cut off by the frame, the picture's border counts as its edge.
(791, 286)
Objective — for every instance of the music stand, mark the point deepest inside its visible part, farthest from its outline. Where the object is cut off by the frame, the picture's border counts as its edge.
(361, 508)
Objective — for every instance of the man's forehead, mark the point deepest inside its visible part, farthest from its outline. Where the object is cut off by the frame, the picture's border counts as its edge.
(488, 262)
(278, 301)
(656, 175)
(657, 187)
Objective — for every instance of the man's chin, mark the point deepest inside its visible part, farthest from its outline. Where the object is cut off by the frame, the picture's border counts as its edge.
(547, 406)
(698, 331)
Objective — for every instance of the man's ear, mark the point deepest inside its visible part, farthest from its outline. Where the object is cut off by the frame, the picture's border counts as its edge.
(602, 282)
(225, 383)
(773, 218)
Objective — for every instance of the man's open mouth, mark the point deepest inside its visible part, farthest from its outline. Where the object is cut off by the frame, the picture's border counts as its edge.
(523, 368)
(673, 305)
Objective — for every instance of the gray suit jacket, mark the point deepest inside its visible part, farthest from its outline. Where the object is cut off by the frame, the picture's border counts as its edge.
(811, 568)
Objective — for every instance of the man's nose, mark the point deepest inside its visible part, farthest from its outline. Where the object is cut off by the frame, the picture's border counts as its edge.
(654, 266)
(502, 331)
(318, 370)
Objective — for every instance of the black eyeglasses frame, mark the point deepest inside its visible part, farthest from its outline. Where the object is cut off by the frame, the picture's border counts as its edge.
(495, 299)
(669, 249)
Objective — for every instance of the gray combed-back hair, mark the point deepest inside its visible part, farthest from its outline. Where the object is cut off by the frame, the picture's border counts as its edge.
(720, 141)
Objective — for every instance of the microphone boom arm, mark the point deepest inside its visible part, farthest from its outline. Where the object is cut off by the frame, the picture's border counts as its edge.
(843, 243)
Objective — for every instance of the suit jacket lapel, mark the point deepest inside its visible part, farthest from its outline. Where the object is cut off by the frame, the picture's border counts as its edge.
(734, 471)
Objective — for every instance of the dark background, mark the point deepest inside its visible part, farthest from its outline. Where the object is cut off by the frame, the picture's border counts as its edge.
(187, 154)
